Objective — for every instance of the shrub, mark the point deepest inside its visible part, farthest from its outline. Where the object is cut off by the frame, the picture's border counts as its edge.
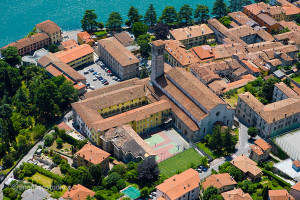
(34, 181)
(281, 182)
(59, 143)
(30, 180)
(100, 33)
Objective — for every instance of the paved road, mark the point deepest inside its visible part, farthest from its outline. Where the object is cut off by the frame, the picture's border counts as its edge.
(243, 148)
(28, 156)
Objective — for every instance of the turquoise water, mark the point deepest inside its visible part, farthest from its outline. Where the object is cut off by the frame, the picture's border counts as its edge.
(18, 17)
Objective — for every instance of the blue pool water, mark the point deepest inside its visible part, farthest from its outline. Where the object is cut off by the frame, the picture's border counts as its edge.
(18, 17)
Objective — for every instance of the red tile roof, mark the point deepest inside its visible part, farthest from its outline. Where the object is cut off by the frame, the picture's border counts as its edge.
(78, 192)
(74, 53)
(48, 26)
(92, 154)
(218, 181)
(180, 184)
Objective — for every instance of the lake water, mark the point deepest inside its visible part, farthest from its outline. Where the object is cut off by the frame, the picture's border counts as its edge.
(18, 17)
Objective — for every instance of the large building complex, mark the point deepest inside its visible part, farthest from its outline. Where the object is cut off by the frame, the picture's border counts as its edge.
(118, 58)
(193, 35)
(77, 56)
(51, 29)
(185, 186)
(30, 44)
(272, 119)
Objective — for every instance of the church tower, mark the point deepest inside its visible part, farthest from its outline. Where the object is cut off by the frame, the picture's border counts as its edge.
(157, 61)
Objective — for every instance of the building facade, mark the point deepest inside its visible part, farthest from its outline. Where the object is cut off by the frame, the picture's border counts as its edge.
(30, 44)
(193, 35)
(51, 29)
(183, 186)
(118, 58)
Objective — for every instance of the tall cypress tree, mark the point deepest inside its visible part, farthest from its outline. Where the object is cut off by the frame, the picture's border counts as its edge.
(220, 9)
(150, 17)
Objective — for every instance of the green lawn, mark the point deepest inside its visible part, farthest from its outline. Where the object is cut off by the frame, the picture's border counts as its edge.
(7, 170)
(233, 99)
(66, 146)
(41, 179)
(202, 145)
(179, 162)
(297, 79)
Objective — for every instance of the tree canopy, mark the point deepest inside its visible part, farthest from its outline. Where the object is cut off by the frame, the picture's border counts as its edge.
(220, 9)
(150, 17)
(185, 15)
(169, 16)
(201, 14)
(161, 31)
(114, 21)
(88, 22)
(11, 55)
(133, 16)
(139, 28)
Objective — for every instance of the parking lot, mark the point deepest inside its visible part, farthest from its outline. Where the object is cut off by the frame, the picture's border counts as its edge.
(90, 78)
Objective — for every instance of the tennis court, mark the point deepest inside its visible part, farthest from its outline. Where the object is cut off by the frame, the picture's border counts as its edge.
(165, 143)
(132, 192)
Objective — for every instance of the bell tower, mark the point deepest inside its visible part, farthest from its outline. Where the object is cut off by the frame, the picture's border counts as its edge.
(157, 60)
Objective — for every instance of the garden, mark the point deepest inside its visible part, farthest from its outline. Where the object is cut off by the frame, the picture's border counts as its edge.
(220, 143)
(231, 97)
(180, 162)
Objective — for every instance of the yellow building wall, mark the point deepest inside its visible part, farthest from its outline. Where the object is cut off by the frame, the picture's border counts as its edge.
(81, 61)
(124, 105)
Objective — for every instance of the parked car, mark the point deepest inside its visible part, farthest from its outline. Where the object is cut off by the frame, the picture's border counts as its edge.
(108, 71)
(85, 72)
(92, 70)
(94, 73)
(204, 169)
(106, 83)
(114, 78)
(92, 87)
(87, 84)
(100, 78)
(94, 79)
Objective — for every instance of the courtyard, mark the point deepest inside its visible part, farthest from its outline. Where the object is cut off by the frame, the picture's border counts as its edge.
(165, 143)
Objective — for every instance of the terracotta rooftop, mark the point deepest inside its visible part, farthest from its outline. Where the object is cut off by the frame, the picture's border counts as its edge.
(240, 83)
(61, 66)
(296, 163)
(48, 27)
(262, 144)
(179, 53)
(78, 192)
(85, 37)
(236, 194)
(241, 18)
(180, 184)
(274, 111)
(246, 165)
(293, 36)
(195, 88)
(204, 52)
(286, 90)
(64, 126)
(289, 8)
(126, 139)
(123, 38)
(280, 195)
(190, 32)
(257, 149)
(69, 44)
(118, 51)
(296, 186)
(92, 154)
(290, 24)
(218, 181)
(267, 19)
(74, 53)
(25, 42)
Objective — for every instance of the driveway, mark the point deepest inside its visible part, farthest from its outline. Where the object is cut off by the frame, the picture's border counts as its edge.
(243, 148)
(28, 156)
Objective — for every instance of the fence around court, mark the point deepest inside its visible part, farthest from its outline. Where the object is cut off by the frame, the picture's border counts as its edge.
(209, 158)
(290, 150)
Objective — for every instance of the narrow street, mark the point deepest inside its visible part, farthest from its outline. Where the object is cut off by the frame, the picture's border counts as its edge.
(243, 148)
(28, 156)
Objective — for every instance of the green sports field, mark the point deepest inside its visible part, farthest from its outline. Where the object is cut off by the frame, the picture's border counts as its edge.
(179, 162)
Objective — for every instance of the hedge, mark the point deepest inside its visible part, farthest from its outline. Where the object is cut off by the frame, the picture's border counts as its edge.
(281, 182)
(46, 172)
